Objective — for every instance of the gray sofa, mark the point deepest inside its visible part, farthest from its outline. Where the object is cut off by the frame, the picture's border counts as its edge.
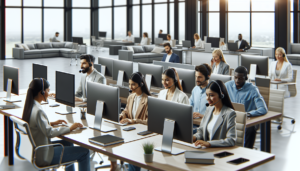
(141, 54)
(294, 58)
(107, 43)
(47, 50)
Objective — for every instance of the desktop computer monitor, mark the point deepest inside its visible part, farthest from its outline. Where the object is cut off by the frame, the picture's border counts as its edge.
(159, 110)
(188, 79)
(78, 40)
(108, 63)
(137, 40)
(163, 36)
(108, 95)
(232, 46)
(39, 71)
(215, 41)
(154, 70)
(166, 65)
(102, 34)
(126, 66)
(97, 67)
(186, 43)
(65, 90)
(262, 63)
(10, 73)
(224, 78)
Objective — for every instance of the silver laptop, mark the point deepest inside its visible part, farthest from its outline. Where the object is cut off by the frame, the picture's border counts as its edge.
(239, 107)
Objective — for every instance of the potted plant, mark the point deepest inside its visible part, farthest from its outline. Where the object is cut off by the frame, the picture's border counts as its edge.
(148, 152)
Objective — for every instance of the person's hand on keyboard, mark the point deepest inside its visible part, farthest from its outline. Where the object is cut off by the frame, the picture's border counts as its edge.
(76, 125)
(58, 122)
(202, 143)
(125, 120)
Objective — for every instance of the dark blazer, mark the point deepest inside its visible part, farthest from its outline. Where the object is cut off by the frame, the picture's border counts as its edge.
(174, 58)
(244, 45)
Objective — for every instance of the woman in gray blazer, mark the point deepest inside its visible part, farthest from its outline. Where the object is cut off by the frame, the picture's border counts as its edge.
(42, 130)
(217, 128)
(218, 63)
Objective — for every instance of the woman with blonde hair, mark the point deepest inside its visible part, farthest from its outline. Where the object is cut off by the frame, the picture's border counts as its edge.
(173, 89)
(281, 70)
(198, 42)
(218, 63)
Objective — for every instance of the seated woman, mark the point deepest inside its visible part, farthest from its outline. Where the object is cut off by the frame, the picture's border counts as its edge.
(42, 130)
(145, 38)
(281, 70)
(217, 128)
(168, 40)
(218, 63)
(173, 90)
(198, 42)
(136, 110)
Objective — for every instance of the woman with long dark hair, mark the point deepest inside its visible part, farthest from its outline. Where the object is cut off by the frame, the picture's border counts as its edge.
(173, 89)
(42, 130)
(217, 128)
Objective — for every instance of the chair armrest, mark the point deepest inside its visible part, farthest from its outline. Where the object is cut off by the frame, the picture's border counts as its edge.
(48, 145)
(18, 53)
(126, 55)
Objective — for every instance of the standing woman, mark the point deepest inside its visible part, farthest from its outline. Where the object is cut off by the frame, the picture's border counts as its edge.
(42, 130)
(173, 90)
(218, 63)
(136, 110)
(281, 70)
(145, 38)
(198, 42)
(217, 128)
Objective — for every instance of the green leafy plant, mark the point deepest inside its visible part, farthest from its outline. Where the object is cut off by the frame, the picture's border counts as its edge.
(148, 147)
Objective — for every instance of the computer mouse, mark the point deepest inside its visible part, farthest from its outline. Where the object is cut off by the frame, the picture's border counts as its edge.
(198, 146)
(124, 123)
(197, 118)
(203, 147)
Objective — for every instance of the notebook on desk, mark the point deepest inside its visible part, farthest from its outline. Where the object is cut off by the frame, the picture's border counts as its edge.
(105, 140)
(199, 157)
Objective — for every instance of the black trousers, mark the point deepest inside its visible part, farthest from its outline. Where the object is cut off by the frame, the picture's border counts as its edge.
(250, 136)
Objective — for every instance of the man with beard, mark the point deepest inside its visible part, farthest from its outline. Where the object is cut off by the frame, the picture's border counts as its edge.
(89, 74)
(248, 94)
(242, 44)
(198, 97)
(170, 56)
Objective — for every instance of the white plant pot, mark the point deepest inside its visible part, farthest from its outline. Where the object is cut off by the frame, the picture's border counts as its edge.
(148, 158)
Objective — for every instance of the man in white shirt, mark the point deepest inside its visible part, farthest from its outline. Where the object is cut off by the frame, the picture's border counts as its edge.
(170, 56)
(54, 39)
(129, 38)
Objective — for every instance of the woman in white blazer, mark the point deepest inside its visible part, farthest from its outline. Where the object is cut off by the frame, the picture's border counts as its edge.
(168, 40)
(173, 90)
(42, 130)
(144, 40)
(281, 70)
(198, 42)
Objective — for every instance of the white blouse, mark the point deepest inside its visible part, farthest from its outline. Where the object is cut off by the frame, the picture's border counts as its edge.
(211, 125)
(144, 41)
(216, 69)
(136, 103)
(198, 43)
(178, 96)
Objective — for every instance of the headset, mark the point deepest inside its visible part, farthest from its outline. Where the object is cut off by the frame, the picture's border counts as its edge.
(43, 92)
(246, 76)
(141, 84)
(221, 93)
(175, 79)
(89, 61)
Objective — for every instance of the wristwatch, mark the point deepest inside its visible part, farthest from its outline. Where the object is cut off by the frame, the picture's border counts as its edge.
(248, 114)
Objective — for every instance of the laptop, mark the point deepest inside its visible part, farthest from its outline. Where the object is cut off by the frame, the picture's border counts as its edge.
(239, 107)
(159, 41)
(232, 46)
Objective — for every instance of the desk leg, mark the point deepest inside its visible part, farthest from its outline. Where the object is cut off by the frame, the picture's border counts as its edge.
(263, 137)
(9, 140)
(268, 137)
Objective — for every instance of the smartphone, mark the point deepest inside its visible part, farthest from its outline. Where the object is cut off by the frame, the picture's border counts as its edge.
(238, 161)
(223, 154)
(129, 128)
(54, 105)
(144, 133)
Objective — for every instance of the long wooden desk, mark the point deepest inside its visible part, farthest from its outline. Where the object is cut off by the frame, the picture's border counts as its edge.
(131, 151)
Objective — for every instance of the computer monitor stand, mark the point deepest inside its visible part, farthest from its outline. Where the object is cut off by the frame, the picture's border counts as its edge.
(207, 47)
(69, 110)
(8, 93)
(103, 69)
(98, 119)
(252, 73)
(148, 79)
(120, 78)
(167, 140)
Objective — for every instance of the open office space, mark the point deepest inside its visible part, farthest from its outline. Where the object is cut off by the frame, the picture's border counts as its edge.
(149, 85)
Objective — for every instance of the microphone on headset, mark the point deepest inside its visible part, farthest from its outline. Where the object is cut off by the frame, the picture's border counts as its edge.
(213, 104)
(81, 70)
(171, 86)
(130, 91)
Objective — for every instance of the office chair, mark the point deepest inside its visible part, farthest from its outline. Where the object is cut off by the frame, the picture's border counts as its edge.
(75, 51)
(26, 148)
(241, 118)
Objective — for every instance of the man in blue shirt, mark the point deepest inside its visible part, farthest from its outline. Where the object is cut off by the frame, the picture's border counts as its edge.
(198, 97)
(246, 93)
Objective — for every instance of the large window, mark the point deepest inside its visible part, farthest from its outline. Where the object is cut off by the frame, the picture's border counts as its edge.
(32, 3)
(81, 3)
(81, 28)
(160, 18)
(171, 21)
(239, 23)
(213, 18)
(136, 21)
(32, 25)
(53, 22)
(13, 3)
(13, 29)
(181, 21)
(147, 19)
(120, 23)
(53, 3)
(105, 21)
(263, 29)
